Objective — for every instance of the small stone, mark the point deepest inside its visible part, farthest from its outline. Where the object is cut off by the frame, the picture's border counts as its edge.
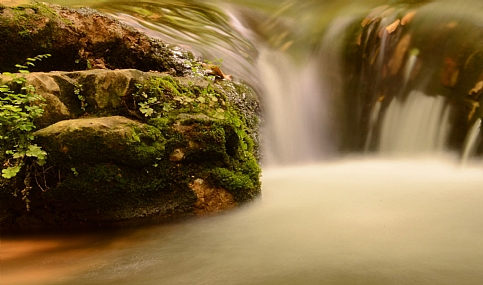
(177, 155)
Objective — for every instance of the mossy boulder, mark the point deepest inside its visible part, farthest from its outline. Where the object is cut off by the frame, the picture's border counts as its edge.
(162, 138)
(191, 150)
(113, 139)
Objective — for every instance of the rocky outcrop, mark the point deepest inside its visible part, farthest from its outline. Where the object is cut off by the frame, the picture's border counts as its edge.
(80, 39)
(126, 144)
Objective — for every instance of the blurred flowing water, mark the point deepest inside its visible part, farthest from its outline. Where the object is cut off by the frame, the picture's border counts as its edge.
(366, 127)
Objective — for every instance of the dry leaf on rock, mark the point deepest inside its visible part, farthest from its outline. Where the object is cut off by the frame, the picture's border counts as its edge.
(393, 26)
(407, 18)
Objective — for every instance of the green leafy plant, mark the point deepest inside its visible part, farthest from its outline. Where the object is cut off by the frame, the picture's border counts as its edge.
(20, 105)
(160, 96)
(77, 92)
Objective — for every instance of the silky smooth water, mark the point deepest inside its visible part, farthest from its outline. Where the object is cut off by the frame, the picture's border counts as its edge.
(355, 221)
(424, 129)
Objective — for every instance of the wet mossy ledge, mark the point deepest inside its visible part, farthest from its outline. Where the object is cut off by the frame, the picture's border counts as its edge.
(146, 137)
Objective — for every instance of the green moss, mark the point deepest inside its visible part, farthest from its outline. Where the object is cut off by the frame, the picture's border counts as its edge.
(106, 191)
(241, 179)
(47, 11)
(146, 146)
(24, 34)
(231, 180)
(27, 17)
(211, 131)
(166, 96)
(134, 146)
(160, 123)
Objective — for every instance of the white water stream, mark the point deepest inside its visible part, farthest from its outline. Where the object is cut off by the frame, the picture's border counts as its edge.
(416, 125)
(295, 113)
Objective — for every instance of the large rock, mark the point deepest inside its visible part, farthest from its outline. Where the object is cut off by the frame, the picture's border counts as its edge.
(126, 144)
(80, 39)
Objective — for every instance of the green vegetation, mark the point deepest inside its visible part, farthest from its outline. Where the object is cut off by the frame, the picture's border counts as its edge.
(118, 150)
(77, 92)
(162, 96)
(165, 97)
(18, 110)
(215, 132)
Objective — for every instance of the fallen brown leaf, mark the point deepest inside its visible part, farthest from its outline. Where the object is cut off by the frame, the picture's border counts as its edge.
(216, 71)
(407, 18)
(393, 26)
(366, 21)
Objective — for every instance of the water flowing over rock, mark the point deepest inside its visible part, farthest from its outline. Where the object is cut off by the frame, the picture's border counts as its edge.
(412, 79)
(162, 138)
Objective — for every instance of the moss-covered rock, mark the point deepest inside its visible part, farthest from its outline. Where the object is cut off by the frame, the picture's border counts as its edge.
(142, 145)
(113, 139)
(123, 144)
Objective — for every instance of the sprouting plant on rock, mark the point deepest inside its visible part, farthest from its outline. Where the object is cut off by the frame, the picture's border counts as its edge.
(160, 96)
(78, 93)
(20, 105)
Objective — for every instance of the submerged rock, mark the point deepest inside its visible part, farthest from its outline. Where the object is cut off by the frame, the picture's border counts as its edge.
(125, 144)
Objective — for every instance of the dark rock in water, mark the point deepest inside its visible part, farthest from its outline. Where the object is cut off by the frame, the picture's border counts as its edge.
(123, 144)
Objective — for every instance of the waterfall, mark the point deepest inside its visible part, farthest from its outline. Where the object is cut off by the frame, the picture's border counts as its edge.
(370, 81)
(417, 125)
(300, 100)
(294, 111)
(345, 77)
(413, 91)
(470, 145)
(393, 95)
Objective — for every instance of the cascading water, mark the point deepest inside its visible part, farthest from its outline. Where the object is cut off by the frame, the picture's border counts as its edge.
(365, 85)
(336, 78)
(386, 90)
(471, 141)
(424, 129)
(415, 88)
(296, 112)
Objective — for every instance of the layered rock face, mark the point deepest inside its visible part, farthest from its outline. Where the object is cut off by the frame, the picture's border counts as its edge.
(124, 144)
